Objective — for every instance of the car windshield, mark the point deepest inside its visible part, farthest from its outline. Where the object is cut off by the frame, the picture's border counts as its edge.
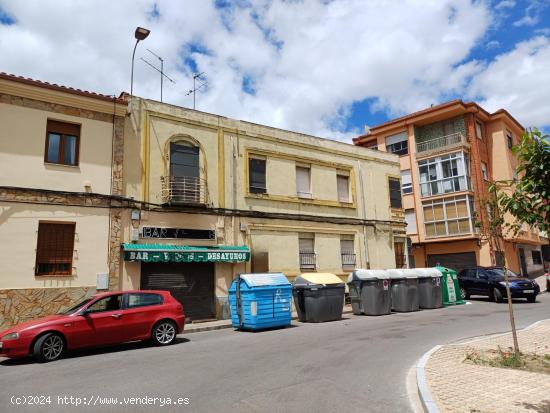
(76, 307)
(499, 272)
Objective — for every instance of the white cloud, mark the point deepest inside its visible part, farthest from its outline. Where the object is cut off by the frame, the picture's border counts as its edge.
(518, 81)
(532, 13)
(493, 44)
(308, 61)
(505, 4)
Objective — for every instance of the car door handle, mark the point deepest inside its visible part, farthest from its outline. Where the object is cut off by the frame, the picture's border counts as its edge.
(116, 315)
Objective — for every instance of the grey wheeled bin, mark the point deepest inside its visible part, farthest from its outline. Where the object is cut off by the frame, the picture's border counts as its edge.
(430, 292)
(404, 290)
(369, 292)
(318, 297)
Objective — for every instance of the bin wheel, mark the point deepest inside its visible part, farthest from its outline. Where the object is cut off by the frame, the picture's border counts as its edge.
(497, 295)
(464, 294)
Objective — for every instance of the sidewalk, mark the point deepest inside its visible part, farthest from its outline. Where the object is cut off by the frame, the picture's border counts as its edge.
(219, 324)
(459, 386)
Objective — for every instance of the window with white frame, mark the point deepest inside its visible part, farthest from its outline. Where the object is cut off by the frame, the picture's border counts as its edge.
(342, 186)
(303, 181)
(410, 219)
(398, 144)
(406, 181)
(444, 174)
(447, 217)
(306, 245)
(484, 171)
(347, 251)
(479, 130)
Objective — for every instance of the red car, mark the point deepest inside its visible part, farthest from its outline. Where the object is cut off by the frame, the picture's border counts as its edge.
(104, 319)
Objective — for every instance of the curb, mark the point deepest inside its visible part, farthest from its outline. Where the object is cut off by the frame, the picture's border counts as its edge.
(428, 403)
(199, 328)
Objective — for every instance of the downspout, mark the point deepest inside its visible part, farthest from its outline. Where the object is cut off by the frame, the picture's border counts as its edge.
(360, 173)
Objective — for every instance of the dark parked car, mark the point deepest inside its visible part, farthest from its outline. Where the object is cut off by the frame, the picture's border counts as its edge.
(104, 319)
(489, 281)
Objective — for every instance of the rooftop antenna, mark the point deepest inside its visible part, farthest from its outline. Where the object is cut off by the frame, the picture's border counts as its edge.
(161, 70)
(196, 76)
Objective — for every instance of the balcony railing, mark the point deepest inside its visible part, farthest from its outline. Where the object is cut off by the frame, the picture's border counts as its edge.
(348, 259)
(307, 260)
(441, 142)
(445, 186)
(184, 190)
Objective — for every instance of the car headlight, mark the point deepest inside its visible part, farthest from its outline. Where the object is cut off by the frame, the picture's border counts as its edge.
(11, 336)
(503, 283)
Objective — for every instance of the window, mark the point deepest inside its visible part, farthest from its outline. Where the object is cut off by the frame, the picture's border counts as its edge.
(410, 219)
(406, 182)
(395, 193)
(62, 143)
(444, 174)
(347, 252)
(342, 183)
(372, 145)
(479, 130)
(398, 144)
(54, 249)
(509, 139)
(306, 245)
(446, 217)
(184, 184)
(484, 171)
(303, 182)
(142, 300)
(537, 258)
(400, 260)
(110, 303)
(256, 176)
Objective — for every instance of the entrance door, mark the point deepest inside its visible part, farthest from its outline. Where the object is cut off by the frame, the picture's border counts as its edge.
(522, 262)
(192, 284)
(457, 262)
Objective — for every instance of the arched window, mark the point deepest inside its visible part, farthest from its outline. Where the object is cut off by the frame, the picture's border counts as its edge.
(185, 181)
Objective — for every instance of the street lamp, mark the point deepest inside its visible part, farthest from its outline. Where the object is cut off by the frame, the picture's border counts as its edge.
(140, 34)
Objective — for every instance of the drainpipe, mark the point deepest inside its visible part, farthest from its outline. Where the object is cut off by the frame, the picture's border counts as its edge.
(360, 173)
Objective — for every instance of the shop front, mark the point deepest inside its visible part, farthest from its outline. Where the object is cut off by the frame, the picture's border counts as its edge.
(193, 275)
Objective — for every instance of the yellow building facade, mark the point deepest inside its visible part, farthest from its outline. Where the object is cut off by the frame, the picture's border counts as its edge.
(217, 196)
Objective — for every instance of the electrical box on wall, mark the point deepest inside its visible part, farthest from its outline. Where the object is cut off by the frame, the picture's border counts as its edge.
(102, 282)
(243, 226)
(135, 215)
(134, 234)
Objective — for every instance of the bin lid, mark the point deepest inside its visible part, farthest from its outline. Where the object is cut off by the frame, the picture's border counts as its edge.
(319, 278)
(445, 270)
(428, 273)
(362, 274)
(402, 273)
(265, 279)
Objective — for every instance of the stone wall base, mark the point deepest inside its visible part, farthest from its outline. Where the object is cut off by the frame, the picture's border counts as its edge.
(19, 305)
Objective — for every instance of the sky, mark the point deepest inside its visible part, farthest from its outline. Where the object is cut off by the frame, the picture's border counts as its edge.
(327, 68)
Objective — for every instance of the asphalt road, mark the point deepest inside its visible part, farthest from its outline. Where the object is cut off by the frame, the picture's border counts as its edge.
(355, 365)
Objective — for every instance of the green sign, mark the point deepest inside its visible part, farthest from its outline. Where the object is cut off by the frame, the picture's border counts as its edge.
(187, 256)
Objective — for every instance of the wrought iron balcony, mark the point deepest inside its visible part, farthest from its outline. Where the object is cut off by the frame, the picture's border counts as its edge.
(307, 260)
(440, 143)
(184, 190)
(348, 259)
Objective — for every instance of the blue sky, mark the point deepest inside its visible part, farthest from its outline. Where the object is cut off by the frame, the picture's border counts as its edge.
(327, 68)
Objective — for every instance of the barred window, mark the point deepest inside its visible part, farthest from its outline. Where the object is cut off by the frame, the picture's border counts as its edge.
(54, 250)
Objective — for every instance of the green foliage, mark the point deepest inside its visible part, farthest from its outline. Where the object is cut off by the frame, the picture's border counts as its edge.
(527, 198)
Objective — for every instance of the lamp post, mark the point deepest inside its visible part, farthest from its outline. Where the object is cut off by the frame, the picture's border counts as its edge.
(140, 34)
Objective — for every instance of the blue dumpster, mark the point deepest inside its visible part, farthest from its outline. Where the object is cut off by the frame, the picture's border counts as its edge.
(260, 301)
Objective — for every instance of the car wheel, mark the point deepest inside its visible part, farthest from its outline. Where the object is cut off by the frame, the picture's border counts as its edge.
(497, 295)
(464, 294)
(532, 298)
(164, 333)
(49, 347)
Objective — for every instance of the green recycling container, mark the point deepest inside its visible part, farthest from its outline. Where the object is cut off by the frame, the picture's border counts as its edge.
(451, 289)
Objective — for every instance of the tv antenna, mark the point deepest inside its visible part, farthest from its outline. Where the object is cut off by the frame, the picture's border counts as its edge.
(203, 83)
(161, 70)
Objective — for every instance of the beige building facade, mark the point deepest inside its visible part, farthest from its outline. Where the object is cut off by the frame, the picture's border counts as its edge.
(220, 196)
(60, 165)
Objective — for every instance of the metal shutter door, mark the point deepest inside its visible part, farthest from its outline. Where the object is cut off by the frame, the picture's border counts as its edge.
(457, 261)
